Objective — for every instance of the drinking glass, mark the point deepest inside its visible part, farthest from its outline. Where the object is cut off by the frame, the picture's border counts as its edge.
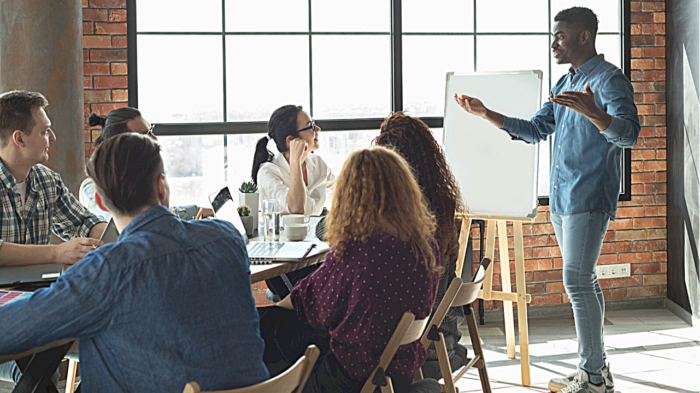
(271, 214)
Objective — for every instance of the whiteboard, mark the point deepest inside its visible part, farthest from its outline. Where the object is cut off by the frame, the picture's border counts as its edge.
(497, 175)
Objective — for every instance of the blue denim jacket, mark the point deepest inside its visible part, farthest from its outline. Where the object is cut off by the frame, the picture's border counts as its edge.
(585, 161)
(167, 304)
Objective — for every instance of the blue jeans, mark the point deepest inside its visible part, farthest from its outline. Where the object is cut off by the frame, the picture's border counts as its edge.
(580, 238)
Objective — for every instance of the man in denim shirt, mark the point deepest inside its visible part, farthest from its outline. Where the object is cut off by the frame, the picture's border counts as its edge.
(168, 303)
(592, 111)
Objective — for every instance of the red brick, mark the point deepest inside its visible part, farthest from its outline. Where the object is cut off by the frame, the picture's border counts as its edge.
(260, 298)
(85, 3)
(660, 64)
(547, 275)
(659, 256)
(660, 109)
(649, 245)
(103, 109)
(539, 300)
(541, 229)
(118, 68)
(638, 166)
(641, 154)
(95, 69)
(87, 82)
(660, 40)
(654, 52)
(636, 52)
(659, 17)
(636, 29)
(639, 17)
(617, 293)
(120, 95)
(661, 177)
(643, 87)
(660, 199)
(653, 6)
(538, 264)
(97, 96)
(108, 3)
(645, 110)
(653, 98)
(119, 41)
(654, 29)
(534, 241)
(120, 28)
(630, 235)
(108, 55)
(635, 6)
(661, 132)
(662, 290)
(558, 263)
(630, 212)
(87, 28)
(554, 287)
(657, 234)
(654, 75)
(655, 188)
(637, 257)
(641, 200)
(546, 252)
(663, 267)
(109, 82)
(94, 15)
(607, 259)
(621, 224)
(655, 211)
(655, 143)
(642, 291)
(655, 222)
(637, 189)
(625, 281)
(642, 40)
(655, 166)
(117, 15)
(93, 41)
(615, 247)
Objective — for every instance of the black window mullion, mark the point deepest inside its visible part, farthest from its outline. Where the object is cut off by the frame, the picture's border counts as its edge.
(396, 57)
(311, 65)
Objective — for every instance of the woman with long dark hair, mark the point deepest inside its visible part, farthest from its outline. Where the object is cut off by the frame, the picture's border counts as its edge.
(299, 181)
(121, 121)
(413, 140)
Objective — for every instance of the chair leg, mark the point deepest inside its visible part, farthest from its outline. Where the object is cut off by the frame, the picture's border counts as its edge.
(70, 378)
(476, 344)
(389, 388)
(444, 361)
(418, 375)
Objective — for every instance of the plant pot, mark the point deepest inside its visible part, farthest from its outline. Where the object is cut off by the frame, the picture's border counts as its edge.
(252, 200)
(248, 224)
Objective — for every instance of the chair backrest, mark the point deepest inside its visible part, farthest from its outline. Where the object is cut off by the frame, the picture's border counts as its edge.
(407, 331)
(292, 380)
(470, 290)
(442, 309)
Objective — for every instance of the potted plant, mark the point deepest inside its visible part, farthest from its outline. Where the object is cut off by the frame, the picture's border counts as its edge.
(244, 212)
(248, 195)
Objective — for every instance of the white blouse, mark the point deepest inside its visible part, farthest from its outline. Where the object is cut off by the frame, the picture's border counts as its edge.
(273, 183)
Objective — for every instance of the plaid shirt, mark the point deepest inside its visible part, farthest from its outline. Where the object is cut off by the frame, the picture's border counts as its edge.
(49, 206)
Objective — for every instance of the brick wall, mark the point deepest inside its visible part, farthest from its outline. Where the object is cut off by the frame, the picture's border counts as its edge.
(638, 236)
(104, 60)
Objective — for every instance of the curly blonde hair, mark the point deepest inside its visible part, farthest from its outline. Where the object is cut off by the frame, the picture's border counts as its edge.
(377, 192)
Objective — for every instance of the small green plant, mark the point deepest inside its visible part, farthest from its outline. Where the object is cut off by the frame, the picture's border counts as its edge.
(243, 210)
(248, 187)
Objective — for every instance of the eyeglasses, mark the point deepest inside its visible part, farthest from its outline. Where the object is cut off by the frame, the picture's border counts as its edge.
(150, 131)
(312, 127)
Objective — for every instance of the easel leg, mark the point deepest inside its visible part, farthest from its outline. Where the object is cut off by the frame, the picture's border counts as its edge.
(522, 303)
(463, 240)
(505, 283)
(490, 249)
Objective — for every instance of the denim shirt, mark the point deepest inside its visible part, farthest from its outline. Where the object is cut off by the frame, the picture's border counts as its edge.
(585, 161)
(167, 304)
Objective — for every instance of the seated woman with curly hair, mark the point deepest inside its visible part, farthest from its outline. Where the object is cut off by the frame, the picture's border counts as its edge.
(383, 262)
(412, 139)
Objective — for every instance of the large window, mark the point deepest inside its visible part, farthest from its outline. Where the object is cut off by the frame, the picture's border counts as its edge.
(211, 72)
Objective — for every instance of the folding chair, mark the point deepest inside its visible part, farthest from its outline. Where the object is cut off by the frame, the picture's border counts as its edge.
(292, 380)
(458, 294)
(407, 331)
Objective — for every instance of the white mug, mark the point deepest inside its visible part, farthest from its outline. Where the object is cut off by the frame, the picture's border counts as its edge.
(296, 232)
(295, 219)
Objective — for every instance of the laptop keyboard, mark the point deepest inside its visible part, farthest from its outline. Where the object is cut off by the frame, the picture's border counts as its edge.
(263, 249)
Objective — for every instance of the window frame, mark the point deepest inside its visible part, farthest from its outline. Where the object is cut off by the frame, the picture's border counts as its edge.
(370, 124)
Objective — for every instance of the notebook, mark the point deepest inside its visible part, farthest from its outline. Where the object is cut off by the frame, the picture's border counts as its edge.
(258, 252)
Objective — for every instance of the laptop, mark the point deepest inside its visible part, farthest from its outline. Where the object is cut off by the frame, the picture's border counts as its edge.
(30, 274)
(258, 252)
(111, 233)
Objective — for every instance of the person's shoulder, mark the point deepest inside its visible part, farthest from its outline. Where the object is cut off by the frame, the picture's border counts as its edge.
(318, 160)
(88, 182)
(45, 173)
(214, 230)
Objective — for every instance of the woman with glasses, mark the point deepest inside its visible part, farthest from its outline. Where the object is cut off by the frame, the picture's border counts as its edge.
(299, 181)
(121, 121)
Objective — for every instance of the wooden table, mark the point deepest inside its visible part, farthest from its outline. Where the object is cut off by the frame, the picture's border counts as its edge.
(265, 272)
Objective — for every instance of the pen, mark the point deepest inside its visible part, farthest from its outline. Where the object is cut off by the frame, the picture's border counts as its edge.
(199, 214)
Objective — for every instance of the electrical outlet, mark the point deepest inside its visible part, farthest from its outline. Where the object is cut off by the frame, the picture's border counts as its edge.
(613, 271)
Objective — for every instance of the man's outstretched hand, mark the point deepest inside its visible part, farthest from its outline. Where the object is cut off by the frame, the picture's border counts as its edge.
(584, 103)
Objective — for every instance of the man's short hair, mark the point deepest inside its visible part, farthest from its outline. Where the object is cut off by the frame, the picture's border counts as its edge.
(581, 17)
(16, 112)
(124, 169)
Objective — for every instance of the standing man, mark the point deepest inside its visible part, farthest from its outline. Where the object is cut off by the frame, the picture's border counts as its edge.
(592, 111)
(167, 304)
(34, 199)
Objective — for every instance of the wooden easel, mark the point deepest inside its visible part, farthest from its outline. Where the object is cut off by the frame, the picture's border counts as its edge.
(506, 296)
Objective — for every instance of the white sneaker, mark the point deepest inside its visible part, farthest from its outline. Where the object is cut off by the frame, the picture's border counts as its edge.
(557, 384)
(581, 385)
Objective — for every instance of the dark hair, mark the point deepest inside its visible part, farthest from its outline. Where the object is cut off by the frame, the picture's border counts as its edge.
(112, 124)
(413, 140)
(16, 112)
(282, 124)
(124, 169)
(581, 17)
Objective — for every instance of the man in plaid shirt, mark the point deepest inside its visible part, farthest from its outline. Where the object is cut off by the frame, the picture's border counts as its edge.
(34, 199)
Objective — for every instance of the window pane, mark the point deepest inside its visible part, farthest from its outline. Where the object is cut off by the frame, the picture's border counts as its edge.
(426, 60)
(194, 167)
(256, 83)
(521, 16)
(524, 53)
(350, 16)
(351, 77)
(240, 150)
(267, 15)
(181, 78)
(336, 146)
(439, 16)
(608, 45)
(608, 12)
(178, 15)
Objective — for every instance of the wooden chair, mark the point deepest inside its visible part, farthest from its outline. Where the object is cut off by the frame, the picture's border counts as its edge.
(458, 294)
(292, 380)
(407, 331)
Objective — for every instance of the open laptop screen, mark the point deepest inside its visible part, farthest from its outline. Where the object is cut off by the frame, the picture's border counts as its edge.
(225, 209)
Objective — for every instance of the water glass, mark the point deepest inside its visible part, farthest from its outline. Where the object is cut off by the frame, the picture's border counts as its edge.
(271, 215)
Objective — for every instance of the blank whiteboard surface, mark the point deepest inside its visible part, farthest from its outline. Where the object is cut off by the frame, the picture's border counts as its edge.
(497, 175)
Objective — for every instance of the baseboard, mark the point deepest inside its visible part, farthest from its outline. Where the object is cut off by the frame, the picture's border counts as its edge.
(681, 313)
(565, 310)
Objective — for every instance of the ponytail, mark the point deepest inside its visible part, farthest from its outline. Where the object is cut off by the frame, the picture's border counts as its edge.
(262, 155)
(97, 120)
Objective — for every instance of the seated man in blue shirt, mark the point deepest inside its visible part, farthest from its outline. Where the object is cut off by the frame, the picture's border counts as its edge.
(168, 303)
(592, 111)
